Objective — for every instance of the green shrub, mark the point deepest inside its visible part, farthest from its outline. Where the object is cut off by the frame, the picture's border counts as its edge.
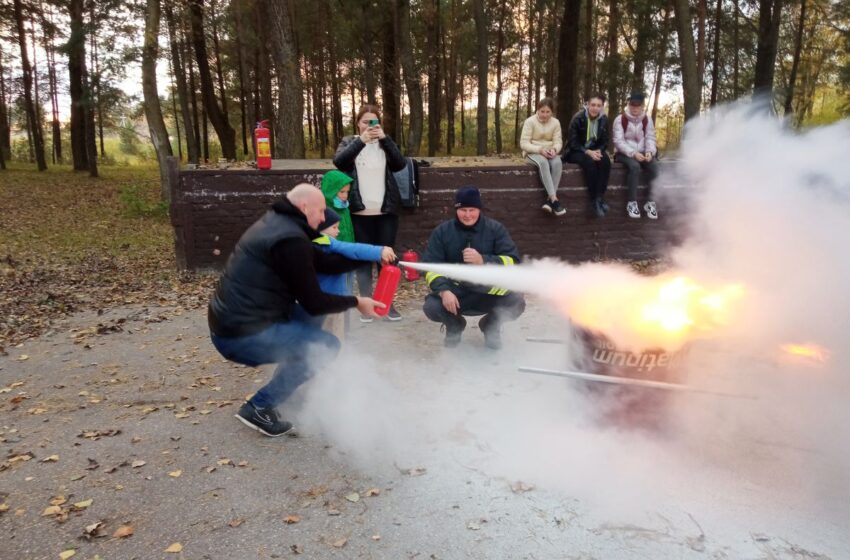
(139, 202)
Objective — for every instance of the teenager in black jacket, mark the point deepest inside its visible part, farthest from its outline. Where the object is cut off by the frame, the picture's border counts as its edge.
(374, 201)
(586, 144)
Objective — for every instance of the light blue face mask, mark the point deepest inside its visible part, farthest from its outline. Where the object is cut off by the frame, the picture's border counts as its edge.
(339, 203)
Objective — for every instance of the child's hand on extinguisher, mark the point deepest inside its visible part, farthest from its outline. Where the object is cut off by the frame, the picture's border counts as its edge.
(367, 306)
(388, 255)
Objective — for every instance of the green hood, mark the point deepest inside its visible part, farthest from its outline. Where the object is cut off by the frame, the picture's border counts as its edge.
(332, 183)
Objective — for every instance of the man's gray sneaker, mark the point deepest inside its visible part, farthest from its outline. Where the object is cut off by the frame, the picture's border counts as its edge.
(264, 420)
(454, 332)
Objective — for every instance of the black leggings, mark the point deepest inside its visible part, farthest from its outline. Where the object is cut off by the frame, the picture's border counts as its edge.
(380, 229)
(595, 172)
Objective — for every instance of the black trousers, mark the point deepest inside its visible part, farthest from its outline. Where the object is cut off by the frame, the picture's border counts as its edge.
(596, 173)
(497, 308)
(380, 229)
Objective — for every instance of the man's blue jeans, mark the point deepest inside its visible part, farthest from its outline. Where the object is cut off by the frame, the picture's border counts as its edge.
(286, 344)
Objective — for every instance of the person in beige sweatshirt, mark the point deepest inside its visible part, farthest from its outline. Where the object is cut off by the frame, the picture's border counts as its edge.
(541, 144)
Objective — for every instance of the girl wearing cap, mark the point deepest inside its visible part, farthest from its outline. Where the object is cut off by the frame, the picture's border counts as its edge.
(541, 145)
(634, 141)
(374, 199)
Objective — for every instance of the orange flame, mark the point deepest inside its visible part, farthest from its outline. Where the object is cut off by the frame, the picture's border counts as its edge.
(664, 312)
(809, 352)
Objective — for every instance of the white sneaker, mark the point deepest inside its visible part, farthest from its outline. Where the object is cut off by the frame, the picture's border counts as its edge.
(651, 211)
(632, 209)
(365, 319)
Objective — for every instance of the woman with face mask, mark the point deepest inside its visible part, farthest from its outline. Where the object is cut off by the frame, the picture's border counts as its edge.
(586, 145)
(370, 159)
(541, 144)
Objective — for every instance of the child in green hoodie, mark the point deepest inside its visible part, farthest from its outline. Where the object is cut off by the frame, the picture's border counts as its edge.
(336, 186)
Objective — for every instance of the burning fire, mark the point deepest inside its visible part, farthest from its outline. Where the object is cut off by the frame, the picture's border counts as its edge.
(663, 313)
(811, 353)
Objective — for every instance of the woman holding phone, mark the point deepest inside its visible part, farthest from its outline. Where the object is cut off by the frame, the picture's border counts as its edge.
(374, 200)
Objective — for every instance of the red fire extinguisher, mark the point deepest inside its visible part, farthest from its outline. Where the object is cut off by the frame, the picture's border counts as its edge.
(386, 287)
(262, 145)
(410, 256)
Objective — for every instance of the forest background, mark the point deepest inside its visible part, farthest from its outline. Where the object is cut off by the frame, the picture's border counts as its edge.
(123, 82)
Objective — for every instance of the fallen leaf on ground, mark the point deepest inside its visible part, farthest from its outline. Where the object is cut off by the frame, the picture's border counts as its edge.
(296, 549)
(4, 507)
(333, 511)
(23, 357)
(372, 492)
(520, 487)
(376, 537)
(236, 522)
(473, 526)
(291, 519)
(224, 461)
(174, 548)
(415, 471)
(58, 501)
(181, 415)
(84, 504)
(93, 530)
(340, 543)
(65, 554)
(242, 464)
(52, 510)
(77, 477)
(137, 464)
(353, 497)
(51, 459)
(175, 474)
(123, 531)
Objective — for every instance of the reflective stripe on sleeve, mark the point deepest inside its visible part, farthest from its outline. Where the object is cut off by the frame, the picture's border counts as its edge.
(507, 260)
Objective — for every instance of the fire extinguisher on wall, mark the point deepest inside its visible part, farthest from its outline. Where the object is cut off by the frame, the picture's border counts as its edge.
(262, 145)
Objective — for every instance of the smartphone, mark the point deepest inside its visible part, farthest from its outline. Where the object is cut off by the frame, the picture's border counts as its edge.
(374, 122)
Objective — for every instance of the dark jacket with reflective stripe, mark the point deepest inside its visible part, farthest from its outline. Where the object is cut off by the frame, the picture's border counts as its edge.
(449, 239)
(345, 158)
(252, 293)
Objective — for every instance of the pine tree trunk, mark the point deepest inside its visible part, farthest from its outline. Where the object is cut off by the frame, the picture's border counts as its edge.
(500, 49)
(431, 19)
(768, 39)
(589, 53)
(568, 60)
(290, 107)
(644, 35)
(390, 76)
(242, 68)
(5, 140)
(613, 71)
(29, 104)
(153, 111)
(91, 131)
(687, 53)
(50, 53)
(450, 64)
(217, 54)
(39, 116)
(736, 47)
(76, 59)
(411, 79)
(264, 71)
(226, 134)
(483, 72)
(715, 63)
(532, 56)
(702, 15)
(192, 152)
(188, 56)
(95, 79)
(519, 84)
(795, 64)
(662, 59)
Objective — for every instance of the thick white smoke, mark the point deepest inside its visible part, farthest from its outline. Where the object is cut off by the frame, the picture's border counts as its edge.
(771, 212)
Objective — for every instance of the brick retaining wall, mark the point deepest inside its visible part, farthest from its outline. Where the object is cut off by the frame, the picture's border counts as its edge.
(211, 208)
